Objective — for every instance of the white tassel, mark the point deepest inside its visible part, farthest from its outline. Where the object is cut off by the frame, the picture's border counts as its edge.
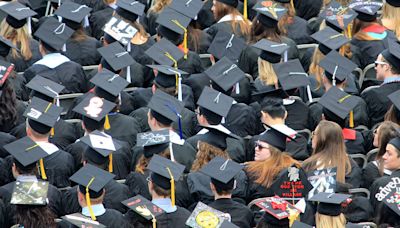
(237, 88)
(59, 19)
(179, 87)
(171, 152)
(285, 56)
(86, 22)
(29, 25)
(128, 69)
(57, 101)
(223, 120)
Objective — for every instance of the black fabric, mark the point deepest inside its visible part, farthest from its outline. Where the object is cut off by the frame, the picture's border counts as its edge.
(15, 23)
(241, 215)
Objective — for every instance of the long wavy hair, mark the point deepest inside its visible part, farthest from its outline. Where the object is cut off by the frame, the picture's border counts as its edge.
(35, 216)
(329, 221)
(391, 18)
(159, 5)
(144, 162)
(387, 131)
(265, 172)
(266, 73)
(18, 37)
(206, 153)
(258, 31)
(8, 104)
(287, 19)
(393, 114)
(329, 151)
(357, 30)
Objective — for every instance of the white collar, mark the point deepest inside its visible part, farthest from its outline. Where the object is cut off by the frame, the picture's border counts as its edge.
(230, 18)
(288, 101)
(49, 148)
(175, 138)
(98, 210)
(285, 129)
(53, 60)
(218, 127)
(385, 171)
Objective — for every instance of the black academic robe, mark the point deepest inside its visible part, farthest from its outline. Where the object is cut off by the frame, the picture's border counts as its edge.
(9, 125)
(316, 91)
(138, 54)
(5, 138)
(115, 194)
(240, 214)
(371, 173)
(98, 19)
(83, 52)
(59, 167)
(197, 82)
(241, 120)
(2, 214)
(203, 42)
(205, 17)
(299, 31)
(354, 140)
(18, 81)
(111, 218)
(192, 64)
(20, 63)
(381, 188)
(255, 190)
(307, 9)
(94, 4)
(370, 50)
(225, 26)
(244, 95)
(377, 101)
(149, 22)
(298, 113)
(123, 127)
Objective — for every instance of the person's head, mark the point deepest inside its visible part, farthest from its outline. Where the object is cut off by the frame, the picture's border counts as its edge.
(37, 131)
(222, 190)
(8, 103)
(205, 153)
(157, 191)
(159, 5)
(164, 32)
(383, 134)
(18, 169)
(143, 162)
(34, 216)
(322, 220)
(95, 197)
(207, 117)
(221, 9)
(390, 14)
(157, 121)
(384, 68)
(46, 49)
(287, 18)
(90, 125)
(266, 73)
(273, 111)
(315, 69)
(91, 156)
(393, 114)
(330, 116)
(391, 158)
(260, 31)
(264, 151)
(327, 81)
(17, 36)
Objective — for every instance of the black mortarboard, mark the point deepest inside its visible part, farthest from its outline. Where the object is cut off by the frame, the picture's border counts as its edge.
(222, 172)
(130, 9)
(73, 12)
(329, 39)
(367, 10)
(216, 136)
(25, 151)
(277, 210)
(215, 101)
(94, 107)
(227, 224)
(226, 44)
(338, 102)
(392, 54)
(392, 199)
(110, 84)
(165, 107)
(5, 71)
(395, 142)
(271, 51)
(232, 3)
(17, 13)
(334, 11)
(42, 115)
(291, 74)
(225, 73)
(205, 216)
(166, 76)
(270, 12)
(45, 86)
(54, 33)
(268, 91)
(329, 203)
(164, 51)
(297, 224)
(116, 56)
(394, 3)
(189, 8)
(336, 67)
(153, 142)
(395, 99)
(143, 207)
(82, 221)
(30, 193)
(117, 29)
(173, 20)
(275, 138)
(291, 183)
(5, 46)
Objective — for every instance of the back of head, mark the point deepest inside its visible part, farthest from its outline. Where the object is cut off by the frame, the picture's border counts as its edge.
(206, 152)
(387, 131)
(273, 107)
(330, 116)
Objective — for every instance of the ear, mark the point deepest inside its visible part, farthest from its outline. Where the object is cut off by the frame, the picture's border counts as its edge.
(286, 114)
(100, 68)
(212, 187)
(323, 117)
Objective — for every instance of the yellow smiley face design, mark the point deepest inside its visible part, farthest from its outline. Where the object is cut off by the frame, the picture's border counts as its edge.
(206, 219)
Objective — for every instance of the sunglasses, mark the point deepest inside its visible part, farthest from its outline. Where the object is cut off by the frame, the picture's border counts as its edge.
(260, 147)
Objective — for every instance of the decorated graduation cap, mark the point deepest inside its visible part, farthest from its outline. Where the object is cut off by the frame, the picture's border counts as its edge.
(5, 70)
(291, 183)
(329, 203)
(92, 181)
(270, 12)
(73, 14)
(164, 173)
(189, 8)
(271, 51)
(173, 24)
(226, 44)
(225, 74)
(166, 109)
(45, 89)
(118, 29)
(168, 77)
(144, 208)
(32, 193)
(53, 33)
(18, 14)
(394, 3)
(82, 221)
(367, 10)
(395, 99)
(392, 199)
(108, 85)
(278, 211)
(275, 138)
(216, 136)
(205, 216)
(165, 53)
(214, 104)
(337, 16)
(392, 54)
(153, 142)
(329, 39)
(337, 67)
(222, 172)
(5, 46)
(130, 9)
(101, 148)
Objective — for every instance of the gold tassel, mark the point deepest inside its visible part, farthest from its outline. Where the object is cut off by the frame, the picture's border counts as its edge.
(110, 165)
(52, 132)
(48, 107)
(185, 48)
(168, 55)
(349, 31)
(292, 4)
(107, 125)
(154, 220)
(172, 187)
(42, 171)
(245, 9)
(351, 119)
(89, 204)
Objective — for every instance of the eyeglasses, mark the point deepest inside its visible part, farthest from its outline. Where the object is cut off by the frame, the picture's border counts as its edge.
(377, 63)
(260, 147)
(148, 179)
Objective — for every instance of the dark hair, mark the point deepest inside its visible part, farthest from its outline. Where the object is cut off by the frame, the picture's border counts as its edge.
(29, 169)
(273, 106)
(394, 69)
(393, 114)
(34, 216)
(48, 48)
(79, 35)
(194, 37)
(161, 191)
(92, 125)
(259, 31)
(8, 104)
(211, 117)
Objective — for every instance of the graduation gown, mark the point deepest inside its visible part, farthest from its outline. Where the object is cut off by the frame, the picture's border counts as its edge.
(192, 64)
(298, 113)
(83, 52)
(371, 173)
(380, 188)
(299, 31)
(240, 214)
(307, 9)
(241, 120)
(5, 138)
(354, 140)
(59, 166)
(197, 82)
(111, 218)
(203, 42)
(20, 63)
(8, 125)
(138, 54)
(224, 25)
(123, 127)
(98, 19)
(18, 81)
(149, 22)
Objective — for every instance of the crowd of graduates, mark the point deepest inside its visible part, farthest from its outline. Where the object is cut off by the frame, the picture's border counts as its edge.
(199, 113)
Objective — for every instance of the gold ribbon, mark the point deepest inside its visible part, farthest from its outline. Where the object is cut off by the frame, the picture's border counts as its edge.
(245, 9)
(168, 55)
(185, 48)
(42, 171)
(107, 125)
(89, 204)
(110, 164)
(351, 116)
(172, 186)
(153, 220)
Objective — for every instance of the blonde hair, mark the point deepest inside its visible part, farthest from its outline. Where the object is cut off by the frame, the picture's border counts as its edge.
(205, 154)
(287, 18)
(315, 69)
(391, 14)
(17, 36)
(322, 221)
(159, 5)
(266, 73)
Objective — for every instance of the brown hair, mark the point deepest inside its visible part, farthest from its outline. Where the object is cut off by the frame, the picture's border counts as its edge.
(144, 162)
(159, 5)
(387, 131)
(206, 153)
(35, 216)
(329, 151)
(315, 69)
(266, 73)
(287, 18)
(259, 31)
(160, 191)
(17, 37)
(265, 172)
(79, 35)
(393, 115)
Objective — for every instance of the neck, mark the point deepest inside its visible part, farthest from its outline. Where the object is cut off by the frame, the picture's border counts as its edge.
(155, 196)
(37, 139)
(275, 121)
(229, 196)
(328, 86)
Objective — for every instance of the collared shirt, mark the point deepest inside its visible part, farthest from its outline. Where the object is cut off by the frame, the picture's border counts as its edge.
(165, 204)
(391, 79)
(53, 60)
(98, 209)
(26, 178)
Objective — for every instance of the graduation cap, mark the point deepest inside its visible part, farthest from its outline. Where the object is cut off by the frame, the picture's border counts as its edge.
(392, 54)
(225, 73)
(101, 148)
(144, 208)
(268, 91)
(367, 10)
(392, 199)
(166, 108)
(329, 39)
(189, 8)
(117, 29)
(205, 216)
(329, 203)
(278, 211)
(275, 138)
(395, 99)
(336, 67)
(232, 3)
(165, 53)
(291, 183)
(297, 224)
(337, 16)
(130, 9)
(116, 56)
(45, 89)
(82, 221)
(5, 70)
(227, 224)
(216, 136)
(394, 3)
(42, 115)
(108, 84)
(30, 193)
(322, 180)
(270, 12)
(222, 172)
(73, 14)
(226, 44)
(17, 14)
(271, 51)
(215, 102)
(54, 33)
(91, 182)
(5, 46)
(25, 151)
(153, 142)
(395, 142)
(164, 173)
